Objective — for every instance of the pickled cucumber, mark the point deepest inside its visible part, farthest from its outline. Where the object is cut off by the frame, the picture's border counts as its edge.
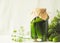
(56, 38)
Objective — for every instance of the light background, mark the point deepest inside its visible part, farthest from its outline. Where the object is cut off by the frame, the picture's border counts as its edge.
(16, 13)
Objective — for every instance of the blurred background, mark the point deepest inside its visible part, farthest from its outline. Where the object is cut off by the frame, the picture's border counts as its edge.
(17, 13)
